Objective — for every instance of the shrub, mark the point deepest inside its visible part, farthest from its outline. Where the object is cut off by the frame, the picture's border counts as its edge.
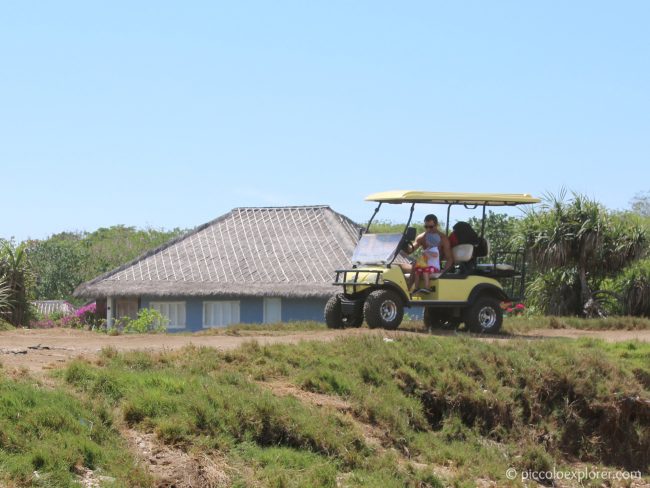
(149, 320)
(634, 287)
(87, 315)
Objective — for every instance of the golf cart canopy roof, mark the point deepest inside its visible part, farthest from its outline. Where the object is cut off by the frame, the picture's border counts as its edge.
(489, 199)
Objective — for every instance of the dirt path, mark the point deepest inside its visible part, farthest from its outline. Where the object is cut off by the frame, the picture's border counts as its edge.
(38, 350)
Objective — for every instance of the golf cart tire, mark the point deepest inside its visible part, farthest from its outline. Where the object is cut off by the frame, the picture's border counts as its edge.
(439, 319)
(383, 309)
(334, 317)
(484, 315)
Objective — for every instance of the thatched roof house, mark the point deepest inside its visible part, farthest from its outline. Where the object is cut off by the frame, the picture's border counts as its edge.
(250, 265)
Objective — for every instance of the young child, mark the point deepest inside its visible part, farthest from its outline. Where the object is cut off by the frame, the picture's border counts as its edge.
(427, 265)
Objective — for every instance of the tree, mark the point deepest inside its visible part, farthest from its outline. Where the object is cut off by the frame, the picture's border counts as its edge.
(63, 261)
(499, 230)
(57, 263)
(5, 297)
(15, 273)
(575, 244)
(640, 204)
(114, 246)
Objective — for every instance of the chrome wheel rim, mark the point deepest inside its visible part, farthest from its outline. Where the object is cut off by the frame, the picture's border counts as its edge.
(388, 310)
(487, 317)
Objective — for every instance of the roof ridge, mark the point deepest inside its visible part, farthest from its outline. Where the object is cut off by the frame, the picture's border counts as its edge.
(282, 207)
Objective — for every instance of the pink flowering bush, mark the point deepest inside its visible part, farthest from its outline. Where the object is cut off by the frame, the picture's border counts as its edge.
(85, 317)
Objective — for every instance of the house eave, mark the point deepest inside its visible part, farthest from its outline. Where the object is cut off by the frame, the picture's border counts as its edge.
(114, 288)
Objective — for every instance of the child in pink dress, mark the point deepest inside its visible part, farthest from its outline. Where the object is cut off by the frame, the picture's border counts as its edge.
(427, 266)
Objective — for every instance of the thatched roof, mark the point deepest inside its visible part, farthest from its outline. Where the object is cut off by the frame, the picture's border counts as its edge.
(282, 251)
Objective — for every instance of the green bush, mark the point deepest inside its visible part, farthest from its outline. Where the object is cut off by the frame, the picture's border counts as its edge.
(148, 321)
(633, 284)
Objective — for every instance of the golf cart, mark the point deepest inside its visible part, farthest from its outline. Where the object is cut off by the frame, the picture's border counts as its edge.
(376, 287)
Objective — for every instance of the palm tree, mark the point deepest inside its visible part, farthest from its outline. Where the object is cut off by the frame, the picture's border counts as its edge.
(580, 243)
(5, 298)
(14, 272)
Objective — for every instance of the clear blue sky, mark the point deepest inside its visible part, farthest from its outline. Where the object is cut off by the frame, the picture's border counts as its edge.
(169, 114)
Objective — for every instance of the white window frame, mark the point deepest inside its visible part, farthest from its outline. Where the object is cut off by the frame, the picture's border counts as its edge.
(165, 308)
(267, 302)
(208, 315)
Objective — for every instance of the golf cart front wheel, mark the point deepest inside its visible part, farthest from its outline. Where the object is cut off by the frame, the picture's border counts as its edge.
(383, 309)
(484, 316)
(336, 319)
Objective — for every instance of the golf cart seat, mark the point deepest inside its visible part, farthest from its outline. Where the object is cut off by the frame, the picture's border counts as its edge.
(463, 253)
(501, 267)
(465, 256)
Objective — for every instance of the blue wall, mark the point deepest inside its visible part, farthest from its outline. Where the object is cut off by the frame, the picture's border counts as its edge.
(303, 309)
(251, 310)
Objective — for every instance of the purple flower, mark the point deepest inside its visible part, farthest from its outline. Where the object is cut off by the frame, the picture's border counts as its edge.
(91, 308)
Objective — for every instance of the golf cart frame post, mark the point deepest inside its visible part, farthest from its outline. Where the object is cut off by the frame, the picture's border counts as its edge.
(376, 288)
(515, 284)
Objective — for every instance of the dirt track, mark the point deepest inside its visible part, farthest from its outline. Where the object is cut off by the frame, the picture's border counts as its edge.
(39, 350)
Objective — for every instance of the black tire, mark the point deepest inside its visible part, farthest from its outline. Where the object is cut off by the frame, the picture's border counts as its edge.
(334, 317)
(383, 309)
(484, 315)
(439, 319)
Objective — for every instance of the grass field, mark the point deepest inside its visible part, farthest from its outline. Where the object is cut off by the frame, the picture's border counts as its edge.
(366, 411)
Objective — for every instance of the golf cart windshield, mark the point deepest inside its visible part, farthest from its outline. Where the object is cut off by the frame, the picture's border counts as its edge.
(376, 248)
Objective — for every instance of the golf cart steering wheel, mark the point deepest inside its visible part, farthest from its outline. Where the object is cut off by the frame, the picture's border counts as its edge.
(408, 247)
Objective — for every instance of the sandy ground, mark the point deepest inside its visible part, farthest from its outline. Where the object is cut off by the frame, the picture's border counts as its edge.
(39, 350)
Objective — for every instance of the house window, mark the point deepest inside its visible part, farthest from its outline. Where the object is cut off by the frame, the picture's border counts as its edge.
(220, 314)
(126, 307)
(174, 311)
(272, 310)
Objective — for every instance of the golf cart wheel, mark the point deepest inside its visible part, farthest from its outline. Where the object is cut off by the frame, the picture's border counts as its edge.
(383, 309)
(484, 316)
(334, 317)
(439, 319)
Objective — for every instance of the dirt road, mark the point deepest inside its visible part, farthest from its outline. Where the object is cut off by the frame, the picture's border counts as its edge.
(39, 350)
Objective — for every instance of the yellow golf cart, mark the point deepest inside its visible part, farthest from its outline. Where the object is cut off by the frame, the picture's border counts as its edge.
(376, 287)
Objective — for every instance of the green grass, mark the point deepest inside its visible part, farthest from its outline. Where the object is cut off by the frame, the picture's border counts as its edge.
(46, 435)
(431, 401)
(4, 325)
(525, 324)
(196, 400)
(265, 329)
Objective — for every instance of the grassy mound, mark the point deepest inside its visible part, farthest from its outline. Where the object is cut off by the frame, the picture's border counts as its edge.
(46, 437)
(406, 407)
(525, 324)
